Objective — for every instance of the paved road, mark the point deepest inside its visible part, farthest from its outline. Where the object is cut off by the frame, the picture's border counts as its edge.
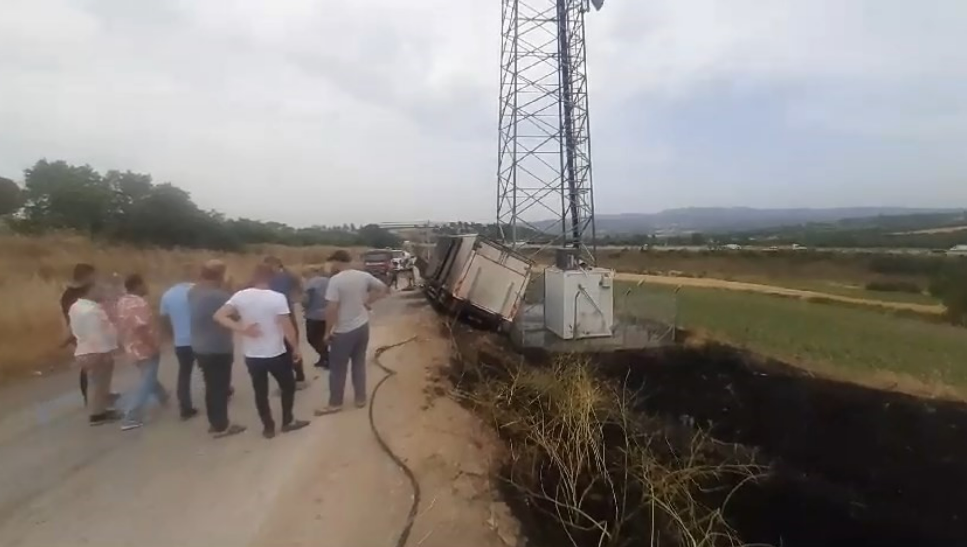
(65, 483)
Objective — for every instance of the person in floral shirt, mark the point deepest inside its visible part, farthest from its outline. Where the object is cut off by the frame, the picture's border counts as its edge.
(138, 332)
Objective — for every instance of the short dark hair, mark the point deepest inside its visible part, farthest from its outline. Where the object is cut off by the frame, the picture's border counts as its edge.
(340, 256)
(272, 260)
(133, 281)
(263, 273)
(213, 270)
(82, 271)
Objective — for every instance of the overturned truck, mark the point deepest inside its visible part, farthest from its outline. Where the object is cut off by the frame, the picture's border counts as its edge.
(479, 279)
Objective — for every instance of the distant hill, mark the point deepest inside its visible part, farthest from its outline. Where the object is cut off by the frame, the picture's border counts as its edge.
(735, 219)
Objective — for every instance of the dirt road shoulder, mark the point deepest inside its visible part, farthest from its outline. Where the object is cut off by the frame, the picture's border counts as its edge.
(350, 493)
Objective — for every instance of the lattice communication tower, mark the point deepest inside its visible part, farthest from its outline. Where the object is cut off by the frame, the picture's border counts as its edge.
(544, 192)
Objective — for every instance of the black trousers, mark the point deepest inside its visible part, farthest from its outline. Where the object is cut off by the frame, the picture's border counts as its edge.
(300, 373)
(186, 364)
(83, 381)
(280, 368)
(217, 370)
(315, 335)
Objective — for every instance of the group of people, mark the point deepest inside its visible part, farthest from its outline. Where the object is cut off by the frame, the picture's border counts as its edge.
(204, 318)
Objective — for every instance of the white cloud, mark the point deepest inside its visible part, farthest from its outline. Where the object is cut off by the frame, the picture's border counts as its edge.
(310, 111)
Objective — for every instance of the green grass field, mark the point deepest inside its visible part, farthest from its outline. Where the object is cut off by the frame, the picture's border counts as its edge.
(842, 289)
(849, 341)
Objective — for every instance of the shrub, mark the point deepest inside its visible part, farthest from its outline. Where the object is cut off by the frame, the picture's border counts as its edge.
(950, 286)
(906, 265)
(894, 286)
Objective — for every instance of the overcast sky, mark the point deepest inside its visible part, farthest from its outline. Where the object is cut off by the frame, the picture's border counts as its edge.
(325, 111)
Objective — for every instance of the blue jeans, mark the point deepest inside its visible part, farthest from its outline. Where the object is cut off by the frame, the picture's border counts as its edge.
(148, 387)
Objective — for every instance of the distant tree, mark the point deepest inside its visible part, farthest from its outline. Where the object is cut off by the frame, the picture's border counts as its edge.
(128, 206)
(165, 216)
(11, 197)
(697, 239)
(129, 190)
(62, 196)
(372, 235)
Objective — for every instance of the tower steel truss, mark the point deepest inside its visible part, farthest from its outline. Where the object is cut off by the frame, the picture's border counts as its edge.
(544, 182)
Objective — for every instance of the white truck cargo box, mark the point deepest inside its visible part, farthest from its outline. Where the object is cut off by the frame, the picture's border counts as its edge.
(579, 303)
(494, 279)
(471, 274)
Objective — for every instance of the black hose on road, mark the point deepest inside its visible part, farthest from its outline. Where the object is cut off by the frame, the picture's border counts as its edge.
(411, 519)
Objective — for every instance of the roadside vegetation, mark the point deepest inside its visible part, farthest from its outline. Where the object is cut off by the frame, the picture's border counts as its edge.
(584, 469)
(848, 342)
(131, 208)
(708, 446)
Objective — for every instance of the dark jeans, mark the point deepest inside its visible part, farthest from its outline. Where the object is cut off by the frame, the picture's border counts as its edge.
(217, 370)
(280, 367)
(84, 385)
(315, 335)
(186, 364)
(300, 373)
(346, 347)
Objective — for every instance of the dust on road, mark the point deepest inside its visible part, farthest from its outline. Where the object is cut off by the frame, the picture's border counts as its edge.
(65, 483)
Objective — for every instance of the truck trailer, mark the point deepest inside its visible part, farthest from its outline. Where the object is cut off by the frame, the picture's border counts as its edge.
(478, 278)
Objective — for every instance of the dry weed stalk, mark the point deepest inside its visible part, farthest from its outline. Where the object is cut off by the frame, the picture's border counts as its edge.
(579, 454)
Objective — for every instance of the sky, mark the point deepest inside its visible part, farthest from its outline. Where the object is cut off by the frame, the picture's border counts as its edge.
(326, 112)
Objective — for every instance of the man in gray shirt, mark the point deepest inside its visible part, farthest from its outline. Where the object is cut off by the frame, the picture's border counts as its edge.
(314, 304)
(213, 346)
(349, 295)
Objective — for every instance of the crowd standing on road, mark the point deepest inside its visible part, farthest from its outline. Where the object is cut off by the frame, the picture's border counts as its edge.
(202, 317)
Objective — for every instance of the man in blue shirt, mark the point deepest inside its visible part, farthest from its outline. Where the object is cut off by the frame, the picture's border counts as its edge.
(174, 308)
(287, 284)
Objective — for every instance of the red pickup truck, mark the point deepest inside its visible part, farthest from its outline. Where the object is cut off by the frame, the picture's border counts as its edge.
(379, 262)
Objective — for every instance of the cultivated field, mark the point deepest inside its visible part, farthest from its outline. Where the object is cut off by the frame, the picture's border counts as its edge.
(34, 271)
(834, 274)
(817, 294)
(854, 343)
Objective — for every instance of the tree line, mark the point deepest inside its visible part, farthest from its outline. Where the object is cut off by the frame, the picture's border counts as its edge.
(130, 207)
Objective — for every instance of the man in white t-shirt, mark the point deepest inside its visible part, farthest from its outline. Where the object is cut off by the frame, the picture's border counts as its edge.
(261, 316)
(349, 295)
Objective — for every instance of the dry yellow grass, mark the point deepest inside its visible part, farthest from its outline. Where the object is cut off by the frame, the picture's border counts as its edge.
(35, 270)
